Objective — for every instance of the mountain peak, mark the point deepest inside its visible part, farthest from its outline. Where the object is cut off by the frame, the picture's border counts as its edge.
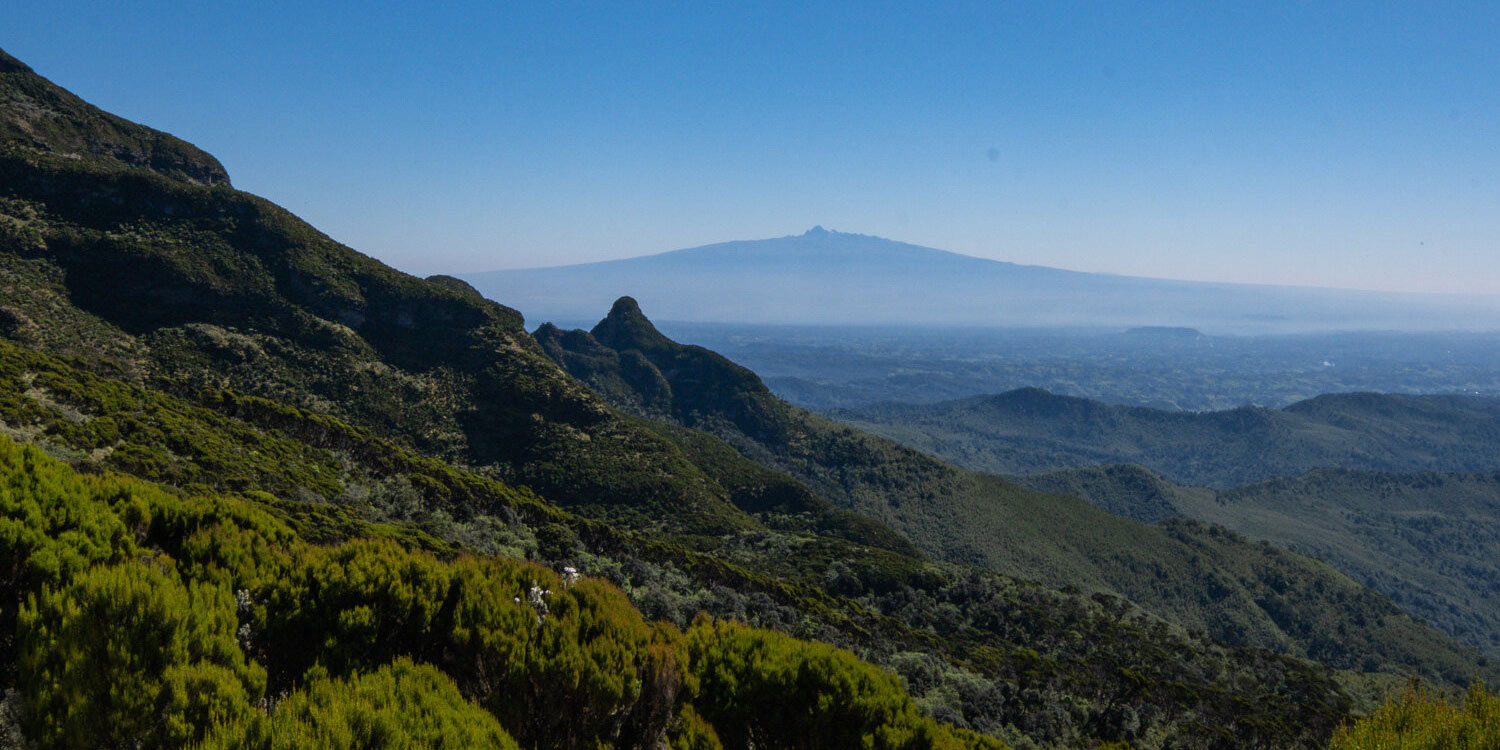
(626, 327)
(816, 231)
(626, 308)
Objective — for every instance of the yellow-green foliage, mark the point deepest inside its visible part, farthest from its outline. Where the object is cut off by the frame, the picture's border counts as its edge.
(50, 525)
(401, 706)
(558, 664)
(764, 689)
(152, 620)
(691, 732)
(127, 656)
(1421, 720)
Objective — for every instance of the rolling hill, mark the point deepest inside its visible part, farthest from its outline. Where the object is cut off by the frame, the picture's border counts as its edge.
(1030, 430)
(822, 277)
(1396, 491)
(1426, 539)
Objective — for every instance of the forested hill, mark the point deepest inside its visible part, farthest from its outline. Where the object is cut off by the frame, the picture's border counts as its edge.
(1030, 430)
(1426, 540)
(1189, 574)
(354, 497)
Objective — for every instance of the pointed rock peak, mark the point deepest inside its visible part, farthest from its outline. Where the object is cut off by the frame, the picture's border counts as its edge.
(627, 308)
(817, 231)
(626, 327)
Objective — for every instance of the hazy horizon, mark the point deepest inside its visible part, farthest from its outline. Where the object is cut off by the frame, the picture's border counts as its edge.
(737, 240)
(822, 277)
(1338, 145)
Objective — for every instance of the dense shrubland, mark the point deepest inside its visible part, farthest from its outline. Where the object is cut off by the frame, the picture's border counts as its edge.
(1423, 720)
(146, 618)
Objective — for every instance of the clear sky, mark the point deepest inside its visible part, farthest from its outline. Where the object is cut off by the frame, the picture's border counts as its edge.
(1334, 144)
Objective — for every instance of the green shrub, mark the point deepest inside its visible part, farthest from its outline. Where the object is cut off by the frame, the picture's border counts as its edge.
(401, 706)
(127, 656)
(1420, 720)
(763, 689)
(690, 732)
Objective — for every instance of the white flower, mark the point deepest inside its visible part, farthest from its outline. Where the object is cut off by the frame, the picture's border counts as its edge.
(536, 598)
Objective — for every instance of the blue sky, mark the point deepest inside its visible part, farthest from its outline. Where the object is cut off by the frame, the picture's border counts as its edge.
(1332, 144)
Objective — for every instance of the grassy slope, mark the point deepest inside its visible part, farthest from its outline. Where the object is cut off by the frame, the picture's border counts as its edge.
(1030, 431)
(1426, 540)
(1197, 577)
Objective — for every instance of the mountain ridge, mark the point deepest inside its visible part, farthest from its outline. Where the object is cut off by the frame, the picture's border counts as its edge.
(1030, 430)
(44, 120)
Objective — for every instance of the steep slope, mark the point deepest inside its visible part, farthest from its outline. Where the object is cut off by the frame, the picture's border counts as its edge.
(1426, 540)
(823, 277)
(1030, 430)
(1126, 490)
(1197, 576)
(208, 339)
(151, 273)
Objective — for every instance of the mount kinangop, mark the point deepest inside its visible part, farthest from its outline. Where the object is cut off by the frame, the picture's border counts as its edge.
(834, 278)
(275, 493)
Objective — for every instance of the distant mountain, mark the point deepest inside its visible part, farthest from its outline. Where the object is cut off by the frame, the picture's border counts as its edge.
(825, 277)
(1030, 430)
